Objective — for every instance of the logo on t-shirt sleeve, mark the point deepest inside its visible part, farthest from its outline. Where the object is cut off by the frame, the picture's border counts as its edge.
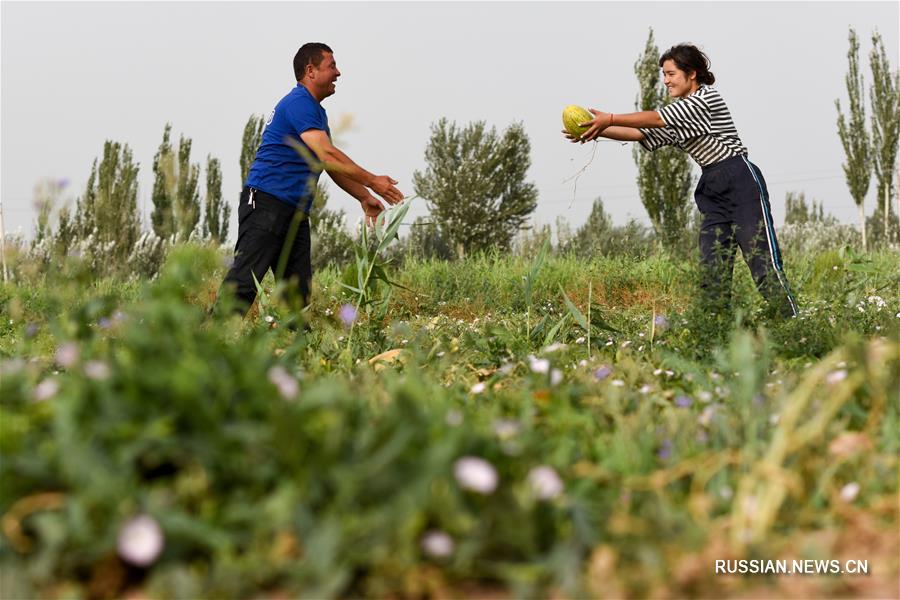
(271, 116)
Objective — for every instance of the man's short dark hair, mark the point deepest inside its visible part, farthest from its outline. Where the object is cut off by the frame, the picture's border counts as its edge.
(309, 54)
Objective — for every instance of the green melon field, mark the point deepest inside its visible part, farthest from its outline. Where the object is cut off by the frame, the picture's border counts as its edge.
(495, 427)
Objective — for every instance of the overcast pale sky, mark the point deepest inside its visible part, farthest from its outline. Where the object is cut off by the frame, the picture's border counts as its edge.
(75, 74)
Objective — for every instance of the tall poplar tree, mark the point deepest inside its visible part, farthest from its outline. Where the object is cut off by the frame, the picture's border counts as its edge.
(253, 131)
(854, 137)
(215, 221)
(187, 192)
(108, 209)
(665, 176)
(884, 95)
(163, 196)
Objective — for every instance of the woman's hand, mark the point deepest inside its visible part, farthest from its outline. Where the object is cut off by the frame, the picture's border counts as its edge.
(601, 121)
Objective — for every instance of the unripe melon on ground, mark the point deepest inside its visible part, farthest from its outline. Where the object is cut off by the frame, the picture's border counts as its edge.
(572, 116)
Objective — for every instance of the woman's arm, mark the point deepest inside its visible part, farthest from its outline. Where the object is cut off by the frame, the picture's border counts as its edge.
(620, 134)
(603, 121)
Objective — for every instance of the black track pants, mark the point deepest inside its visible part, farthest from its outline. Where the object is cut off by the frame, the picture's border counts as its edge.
(267, 227)
(734, 201)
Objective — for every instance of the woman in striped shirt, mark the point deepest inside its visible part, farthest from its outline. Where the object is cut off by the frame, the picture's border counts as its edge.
(731, 194)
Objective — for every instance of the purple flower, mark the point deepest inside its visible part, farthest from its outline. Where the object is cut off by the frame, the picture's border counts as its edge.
(347, 314)
(665, 450)
(682, 401)
(104, 323)
(31, 330)
(602, 373)
(62, 183)
(661, 322)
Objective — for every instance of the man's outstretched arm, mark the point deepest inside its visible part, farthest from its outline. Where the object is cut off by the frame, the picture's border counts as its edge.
(370, 205)
(336, 161)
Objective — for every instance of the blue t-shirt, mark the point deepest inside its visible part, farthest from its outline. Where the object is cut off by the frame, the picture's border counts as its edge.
(279, 169)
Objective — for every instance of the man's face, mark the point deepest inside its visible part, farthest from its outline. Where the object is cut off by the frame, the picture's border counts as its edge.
(325, 75)
(679, 83)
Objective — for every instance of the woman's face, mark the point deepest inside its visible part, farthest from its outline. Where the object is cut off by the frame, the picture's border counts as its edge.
(679, 83)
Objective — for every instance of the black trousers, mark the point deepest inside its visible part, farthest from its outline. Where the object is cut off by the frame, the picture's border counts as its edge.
(734, 201)
(271, 235)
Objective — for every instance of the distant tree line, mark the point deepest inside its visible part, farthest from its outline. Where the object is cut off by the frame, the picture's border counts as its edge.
(474, 183)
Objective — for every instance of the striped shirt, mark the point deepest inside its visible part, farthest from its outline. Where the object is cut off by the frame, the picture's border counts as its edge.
(699, 124)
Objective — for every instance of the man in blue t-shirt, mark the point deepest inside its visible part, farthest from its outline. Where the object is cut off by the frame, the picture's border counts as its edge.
(273, 223)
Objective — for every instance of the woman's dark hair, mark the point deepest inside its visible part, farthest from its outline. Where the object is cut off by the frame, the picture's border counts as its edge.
(688, 57)
(309, 54)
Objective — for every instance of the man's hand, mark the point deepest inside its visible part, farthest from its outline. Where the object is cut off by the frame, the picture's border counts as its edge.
(372, 207)
(384, 187)
(595, 127)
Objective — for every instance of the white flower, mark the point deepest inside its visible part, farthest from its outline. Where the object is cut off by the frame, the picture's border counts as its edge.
(475, 474)
(618, 382)
(836, 377)
(580, 340)
(478, 388)
(97, 370)
(140, 541)
(506, 428)
(849, 492)
(67, 355)
(539, 365)
(704, 396)
(657, 371)
(46, 390)
(706, 416)
(440, 354)
(556, 377)
(437, 544)
(287, 385)
(269, 319)
(454, 418)
(555, 347)
(645, 389)
(545, 482)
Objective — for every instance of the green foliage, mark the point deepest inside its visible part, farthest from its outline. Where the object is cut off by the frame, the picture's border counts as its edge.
(475, 184)
(798, 212)
(176, 193)
(163, 196)
(425, 241)
(665, 180)
(884, 95)
(187, 192)
(274, 467)
(250, 143)
(598, 236)
(332, 245)
(215, 222)
(107, 214)
(854, 135)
